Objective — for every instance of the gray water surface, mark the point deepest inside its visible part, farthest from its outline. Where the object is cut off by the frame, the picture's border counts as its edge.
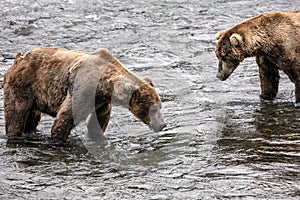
(221, 142)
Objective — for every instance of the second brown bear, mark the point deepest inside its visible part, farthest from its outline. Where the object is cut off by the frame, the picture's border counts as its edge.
(274, 39)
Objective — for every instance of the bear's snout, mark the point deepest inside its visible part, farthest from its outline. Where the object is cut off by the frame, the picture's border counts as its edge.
(157, 122)
(225, 70)
(219, 76)
(222, 76)
(158, 128)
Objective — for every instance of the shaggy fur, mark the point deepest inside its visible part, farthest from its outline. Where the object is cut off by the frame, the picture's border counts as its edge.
(70, 85)
(274, 39)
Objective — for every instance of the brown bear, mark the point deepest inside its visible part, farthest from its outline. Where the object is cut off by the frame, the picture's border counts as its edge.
(70, 85)
(274, 39)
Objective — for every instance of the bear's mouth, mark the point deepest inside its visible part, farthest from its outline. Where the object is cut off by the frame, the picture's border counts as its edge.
(225, 70)
(223, 75)
(157, 128)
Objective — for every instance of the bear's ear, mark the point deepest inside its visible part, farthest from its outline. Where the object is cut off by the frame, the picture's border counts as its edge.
(218, 35)
(236, 39)
(148, 80)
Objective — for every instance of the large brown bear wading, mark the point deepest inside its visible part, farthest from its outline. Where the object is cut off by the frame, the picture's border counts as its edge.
(274, 39)
(71, 85)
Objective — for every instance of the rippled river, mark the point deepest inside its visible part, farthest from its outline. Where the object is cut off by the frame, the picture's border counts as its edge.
(222, 141)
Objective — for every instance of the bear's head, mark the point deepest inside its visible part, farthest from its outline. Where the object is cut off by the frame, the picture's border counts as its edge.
(230, 53)
(145, 104)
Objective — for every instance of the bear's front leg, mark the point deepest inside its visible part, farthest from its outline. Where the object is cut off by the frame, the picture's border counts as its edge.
(297, 92)
(99, 120)
(269, 78)
(63, 123)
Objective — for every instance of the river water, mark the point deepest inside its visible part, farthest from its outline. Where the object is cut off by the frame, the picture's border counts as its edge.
(221, 142)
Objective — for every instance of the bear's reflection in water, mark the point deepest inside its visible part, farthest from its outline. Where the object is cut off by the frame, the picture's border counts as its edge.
(268, 134)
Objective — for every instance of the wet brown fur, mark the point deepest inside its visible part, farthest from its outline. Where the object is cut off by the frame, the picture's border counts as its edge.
(274, 39)
(44, 80)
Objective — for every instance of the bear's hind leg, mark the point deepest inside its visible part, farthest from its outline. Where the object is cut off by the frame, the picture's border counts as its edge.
(269, 78)
(32, 121)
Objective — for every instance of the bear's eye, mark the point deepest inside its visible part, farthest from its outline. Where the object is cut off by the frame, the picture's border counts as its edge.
(154, 108)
